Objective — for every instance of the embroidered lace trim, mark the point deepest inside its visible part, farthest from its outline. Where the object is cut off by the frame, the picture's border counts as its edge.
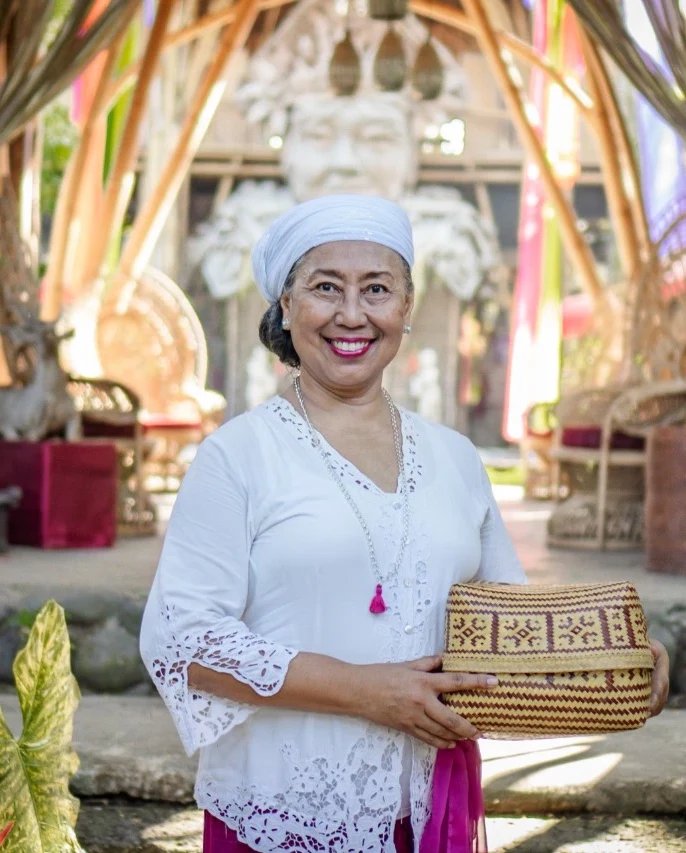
(345, 469)
(347, 806)
(250, 658)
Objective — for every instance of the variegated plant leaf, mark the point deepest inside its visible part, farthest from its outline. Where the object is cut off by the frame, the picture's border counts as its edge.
(35, 768)
(5, 831)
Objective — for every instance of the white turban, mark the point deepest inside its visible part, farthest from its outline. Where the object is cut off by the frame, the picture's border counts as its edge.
(325, 220)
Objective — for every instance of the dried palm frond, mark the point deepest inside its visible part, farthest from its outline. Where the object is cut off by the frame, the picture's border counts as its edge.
(37, 72)
(664, 89)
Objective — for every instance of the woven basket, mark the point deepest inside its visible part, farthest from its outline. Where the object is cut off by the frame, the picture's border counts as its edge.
(570, 659)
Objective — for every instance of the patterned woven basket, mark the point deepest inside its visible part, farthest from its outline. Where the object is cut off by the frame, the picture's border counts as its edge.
(571, 659)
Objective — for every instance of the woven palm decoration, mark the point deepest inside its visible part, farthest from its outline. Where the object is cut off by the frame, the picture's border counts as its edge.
(570, 659)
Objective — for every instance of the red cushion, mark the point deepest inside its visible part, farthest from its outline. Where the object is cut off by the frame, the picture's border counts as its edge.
(589, 436)
(98, 429)
(153, 421)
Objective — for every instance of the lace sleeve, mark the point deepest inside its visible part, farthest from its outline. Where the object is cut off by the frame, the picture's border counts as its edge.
(231, 647)
(195, 608)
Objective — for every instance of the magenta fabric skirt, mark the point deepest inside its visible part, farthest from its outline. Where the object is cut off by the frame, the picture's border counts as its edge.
(218, 838)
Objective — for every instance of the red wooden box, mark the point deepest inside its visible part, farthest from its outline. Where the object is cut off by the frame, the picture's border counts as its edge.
(69, 492)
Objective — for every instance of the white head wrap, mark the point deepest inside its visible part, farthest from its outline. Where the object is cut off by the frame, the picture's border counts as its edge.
(325, 220)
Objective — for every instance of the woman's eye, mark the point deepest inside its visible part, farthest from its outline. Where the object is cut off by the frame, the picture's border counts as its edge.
(377, 289)
(326, 287)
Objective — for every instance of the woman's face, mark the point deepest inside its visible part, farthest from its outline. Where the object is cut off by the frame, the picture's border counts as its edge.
(347, 308)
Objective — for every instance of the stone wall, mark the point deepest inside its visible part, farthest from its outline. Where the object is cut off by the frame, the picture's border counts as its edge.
(104, 629)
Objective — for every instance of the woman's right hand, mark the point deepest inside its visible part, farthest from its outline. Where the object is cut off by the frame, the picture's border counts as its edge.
(405, 696)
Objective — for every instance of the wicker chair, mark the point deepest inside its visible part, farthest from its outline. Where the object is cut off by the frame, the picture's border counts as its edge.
(150, 338)
(600, 435)
(110, 411)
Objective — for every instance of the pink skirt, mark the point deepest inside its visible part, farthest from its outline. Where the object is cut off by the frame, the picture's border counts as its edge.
(218, 838)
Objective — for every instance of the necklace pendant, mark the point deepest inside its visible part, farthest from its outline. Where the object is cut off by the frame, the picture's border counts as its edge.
(377, 604)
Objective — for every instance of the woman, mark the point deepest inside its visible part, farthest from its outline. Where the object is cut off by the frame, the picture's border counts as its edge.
(296, 619)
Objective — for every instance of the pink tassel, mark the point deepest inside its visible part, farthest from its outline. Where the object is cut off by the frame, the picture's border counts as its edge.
(377, 604)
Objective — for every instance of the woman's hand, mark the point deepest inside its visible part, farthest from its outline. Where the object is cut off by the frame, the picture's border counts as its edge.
(660, 687)
(402, 696)
(405, 696)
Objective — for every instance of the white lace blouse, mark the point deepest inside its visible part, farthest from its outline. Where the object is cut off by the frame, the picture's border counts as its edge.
(264, 558)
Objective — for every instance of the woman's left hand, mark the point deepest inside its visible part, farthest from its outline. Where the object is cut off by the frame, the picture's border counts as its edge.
(660, 687)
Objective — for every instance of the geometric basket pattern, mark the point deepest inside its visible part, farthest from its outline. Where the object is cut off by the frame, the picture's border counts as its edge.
(570, 659)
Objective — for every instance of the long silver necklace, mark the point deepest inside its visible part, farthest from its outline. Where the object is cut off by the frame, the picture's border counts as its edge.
(377, 604)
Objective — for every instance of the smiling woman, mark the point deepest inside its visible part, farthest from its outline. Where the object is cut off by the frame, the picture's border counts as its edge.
(295, 624)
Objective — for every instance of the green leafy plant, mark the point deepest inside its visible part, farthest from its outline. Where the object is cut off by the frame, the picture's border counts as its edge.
(35, 768)
(60, 137)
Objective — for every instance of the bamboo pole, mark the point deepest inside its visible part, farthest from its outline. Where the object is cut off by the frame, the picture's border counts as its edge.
(67, 202)
(624, 151)
(446, 13)
(4, 146)
(120, 181)
(616, 190)
(190, 32)
(574, 243)
(200, 27)
(150, 219)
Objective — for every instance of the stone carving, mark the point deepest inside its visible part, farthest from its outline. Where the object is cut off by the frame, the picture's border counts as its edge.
(357, 144)
(294, 62)
(221, 246)
(42, 405)
(365, 143)
(262, 383)
(453, 242)
(425, 385)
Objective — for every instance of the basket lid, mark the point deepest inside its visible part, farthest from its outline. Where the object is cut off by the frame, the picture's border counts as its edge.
(521, 628)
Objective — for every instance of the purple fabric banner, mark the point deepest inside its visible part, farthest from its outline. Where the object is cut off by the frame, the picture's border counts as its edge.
(661, 151)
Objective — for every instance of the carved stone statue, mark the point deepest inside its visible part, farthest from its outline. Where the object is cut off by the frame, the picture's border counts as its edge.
(359, 144)
(364, 143)
(43, 405)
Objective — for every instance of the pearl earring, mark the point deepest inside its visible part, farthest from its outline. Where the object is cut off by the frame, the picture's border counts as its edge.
(407, 329)
(285, 324)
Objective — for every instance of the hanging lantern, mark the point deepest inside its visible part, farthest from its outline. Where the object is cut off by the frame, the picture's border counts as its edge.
(390, 66)
(387, 10)
(344, 67)
(427, 73)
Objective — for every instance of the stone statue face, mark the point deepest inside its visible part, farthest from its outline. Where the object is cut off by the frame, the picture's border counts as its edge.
(360, 144)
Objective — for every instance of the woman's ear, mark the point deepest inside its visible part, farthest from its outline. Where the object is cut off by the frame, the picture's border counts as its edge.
(409, 305)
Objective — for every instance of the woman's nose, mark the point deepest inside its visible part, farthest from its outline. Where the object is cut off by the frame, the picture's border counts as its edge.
(350, 311)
